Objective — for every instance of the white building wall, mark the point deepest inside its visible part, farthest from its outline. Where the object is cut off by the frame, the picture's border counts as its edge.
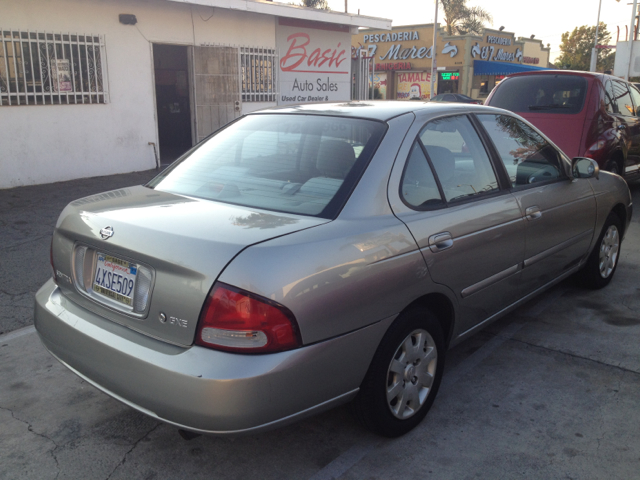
(50, 143)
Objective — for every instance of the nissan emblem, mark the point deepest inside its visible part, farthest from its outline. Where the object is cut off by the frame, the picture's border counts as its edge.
(106, 232)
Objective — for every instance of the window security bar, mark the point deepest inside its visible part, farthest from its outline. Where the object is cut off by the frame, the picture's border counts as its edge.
(39, 68)
(259, 74)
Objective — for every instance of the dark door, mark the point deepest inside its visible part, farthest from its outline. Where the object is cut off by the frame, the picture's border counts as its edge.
(632, 166)
(172, 100)
(628, 124)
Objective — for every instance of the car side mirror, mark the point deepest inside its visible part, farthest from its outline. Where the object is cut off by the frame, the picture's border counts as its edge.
(582, 167)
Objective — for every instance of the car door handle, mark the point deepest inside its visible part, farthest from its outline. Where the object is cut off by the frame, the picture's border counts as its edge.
(533, 212)
(440, 241)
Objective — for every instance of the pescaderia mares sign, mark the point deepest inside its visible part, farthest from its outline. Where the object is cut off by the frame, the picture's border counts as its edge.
(315, 62)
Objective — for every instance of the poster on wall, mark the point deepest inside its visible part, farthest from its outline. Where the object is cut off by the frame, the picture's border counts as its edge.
(379, 82)
(414, 85)
(61, 71)
(315, 62)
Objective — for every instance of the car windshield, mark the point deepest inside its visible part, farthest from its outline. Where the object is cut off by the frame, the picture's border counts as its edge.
(302, 164)
(541, 93)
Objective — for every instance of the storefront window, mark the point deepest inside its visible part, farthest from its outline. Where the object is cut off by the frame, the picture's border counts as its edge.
(448, 82)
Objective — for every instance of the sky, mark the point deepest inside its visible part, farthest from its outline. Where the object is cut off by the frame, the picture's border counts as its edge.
(546, 19)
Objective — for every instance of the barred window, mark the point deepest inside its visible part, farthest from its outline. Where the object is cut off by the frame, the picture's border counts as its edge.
(258, 69)
(39, 68)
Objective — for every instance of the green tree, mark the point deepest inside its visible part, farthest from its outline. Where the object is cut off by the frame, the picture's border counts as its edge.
(576, 49)
(320, 4)
(461, 19)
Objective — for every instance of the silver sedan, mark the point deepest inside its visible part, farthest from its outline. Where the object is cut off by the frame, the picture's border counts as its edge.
(309, 256)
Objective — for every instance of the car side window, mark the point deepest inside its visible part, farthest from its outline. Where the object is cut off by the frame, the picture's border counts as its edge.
(609, 105)
(418, 186)
(458, 157)
(635, 96)
(622, 98)
(527, 157)
(449, 98)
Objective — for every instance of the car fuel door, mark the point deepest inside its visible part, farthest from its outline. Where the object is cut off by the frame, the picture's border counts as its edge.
(559, 212)
(470, 233)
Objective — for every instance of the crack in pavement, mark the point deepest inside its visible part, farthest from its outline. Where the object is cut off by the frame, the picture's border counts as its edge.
(31, 430)
(16, 294)
(135, 444)
(574, 355)
(35, 239)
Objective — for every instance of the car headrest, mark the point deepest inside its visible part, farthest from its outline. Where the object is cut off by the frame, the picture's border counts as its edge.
(335, 158)
(443, 161)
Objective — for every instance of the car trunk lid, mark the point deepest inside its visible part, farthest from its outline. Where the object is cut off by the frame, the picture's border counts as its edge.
(181, 243)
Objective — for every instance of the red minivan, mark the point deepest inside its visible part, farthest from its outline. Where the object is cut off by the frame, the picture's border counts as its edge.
(586, 114)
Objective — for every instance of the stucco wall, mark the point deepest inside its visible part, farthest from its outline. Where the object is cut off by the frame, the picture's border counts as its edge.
(535, 49)
(49, 143)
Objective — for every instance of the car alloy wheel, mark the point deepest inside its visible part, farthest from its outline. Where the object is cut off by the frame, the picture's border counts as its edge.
(404, 376)
(411, 374)
(609, 247)
(603, 260)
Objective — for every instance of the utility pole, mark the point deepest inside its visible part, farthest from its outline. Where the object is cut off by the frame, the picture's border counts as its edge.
(631, 37)
(346, 10)
(433, 50)
(594, 52)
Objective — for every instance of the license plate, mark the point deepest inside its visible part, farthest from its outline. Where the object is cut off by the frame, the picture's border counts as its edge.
(115, 278)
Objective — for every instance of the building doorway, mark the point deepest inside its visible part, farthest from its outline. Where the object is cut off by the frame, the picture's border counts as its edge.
(448, 82)
(171, 66)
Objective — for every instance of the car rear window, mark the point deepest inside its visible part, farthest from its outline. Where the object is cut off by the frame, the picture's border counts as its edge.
(302, 164)
(562, 94)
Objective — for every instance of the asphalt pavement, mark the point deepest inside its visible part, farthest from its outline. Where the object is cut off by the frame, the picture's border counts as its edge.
(27, 218)
(551, 391)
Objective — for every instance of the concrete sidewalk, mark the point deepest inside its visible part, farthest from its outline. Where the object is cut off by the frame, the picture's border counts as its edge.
(27, 218)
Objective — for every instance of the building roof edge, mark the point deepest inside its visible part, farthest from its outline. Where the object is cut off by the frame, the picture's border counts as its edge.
(293, 11)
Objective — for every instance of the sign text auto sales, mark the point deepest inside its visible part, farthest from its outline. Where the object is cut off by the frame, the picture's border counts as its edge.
(315, 65)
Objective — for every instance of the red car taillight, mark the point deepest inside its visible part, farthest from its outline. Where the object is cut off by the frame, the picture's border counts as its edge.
(241, 322)
(599, 145)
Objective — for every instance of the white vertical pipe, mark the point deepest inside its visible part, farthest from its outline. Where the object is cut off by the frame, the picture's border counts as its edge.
(631, 35)
(594, 53)
(433, 51)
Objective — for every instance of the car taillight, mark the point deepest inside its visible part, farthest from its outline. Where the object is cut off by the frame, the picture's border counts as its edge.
(599, 145)
(241, 322)
(53, 268)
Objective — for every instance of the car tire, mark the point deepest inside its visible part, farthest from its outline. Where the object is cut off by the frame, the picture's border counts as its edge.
(404, 376)
(614, 166)
(603, 260)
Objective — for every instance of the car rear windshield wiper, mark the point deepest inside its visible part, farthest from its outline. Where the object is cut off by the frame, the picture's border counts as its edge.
(548, 107)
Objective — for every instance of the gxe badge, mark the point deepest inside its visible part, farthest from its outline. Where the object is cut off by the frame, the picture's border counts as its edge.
(106, 232)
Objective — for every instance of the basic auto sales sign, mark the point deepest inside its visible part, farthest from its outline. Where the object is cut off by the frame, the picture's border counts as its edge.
(315, 63)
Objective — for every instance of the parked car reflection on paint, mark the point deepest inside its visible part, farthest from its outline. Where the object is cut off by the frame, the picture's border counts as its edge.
(309, 256)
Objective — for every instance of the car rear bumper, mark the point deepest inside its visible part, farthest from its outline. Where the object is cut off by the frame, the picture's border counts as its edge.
(199, 389)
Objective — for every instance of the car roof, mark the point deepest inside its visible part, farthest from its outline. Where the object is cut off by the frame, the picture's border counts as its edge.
(588, 75)
(376, 110)
(557, 72)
